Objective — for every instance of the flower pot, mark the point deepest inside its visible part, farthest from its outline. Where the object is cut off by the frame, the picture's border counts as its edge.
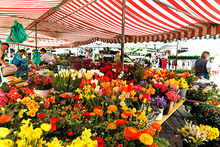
(160, 115)
(183, 93)
(168, 108)
(42, 93)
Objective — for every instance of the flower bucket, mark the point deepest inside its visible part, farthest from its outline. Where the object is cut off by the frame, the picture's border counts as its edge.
(42, 93)
(168, 108)
(183, 93)
(160, 115)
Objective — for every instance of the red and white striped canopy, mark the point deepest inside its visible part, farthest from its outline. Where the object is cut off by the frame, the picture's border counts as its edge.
(85, 21)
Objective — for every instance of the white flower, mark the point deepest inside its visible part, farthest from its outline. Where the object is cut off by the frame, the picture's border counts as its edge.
(18, 100)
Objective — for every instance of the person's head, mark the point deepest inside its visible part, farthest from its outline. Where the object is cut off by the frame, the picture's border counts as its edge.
(4, 46)
(43, 51)
(21, 52)
(205, 55)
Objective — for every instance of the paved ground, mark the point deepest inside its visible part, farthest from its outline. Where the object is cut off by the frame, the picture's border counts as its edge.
(176, 121)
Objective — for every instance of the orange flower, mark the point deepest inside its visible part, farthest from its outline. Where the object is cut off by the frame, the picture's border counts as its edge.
(31, 113)
(112, 126)
(112, 108)
(66, 107)
(128, 113)
(76, 116)
(131, 133)
(153, 145)
(156, 126)
(121, 121)
(4, 119)
(149, 131)
(124, 116)
(63, 113)
(25, 100)
(98, 112)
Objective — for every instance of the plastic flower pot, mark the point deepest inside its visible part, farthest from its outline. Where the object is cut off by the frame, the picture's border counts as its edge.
(42, 93)
(160, 115)
(183, 93)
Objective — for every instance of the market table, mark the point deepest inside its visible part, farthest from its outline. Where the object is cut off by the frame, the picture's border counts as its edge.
(165, 117)
(194, 101)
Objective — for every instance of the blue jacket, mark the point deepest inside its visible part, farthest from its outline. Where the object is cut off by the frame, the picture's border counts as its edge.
(17, 60)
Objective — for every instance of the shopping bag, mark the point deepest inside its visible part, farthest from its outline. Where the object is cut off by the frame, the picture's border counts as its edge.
(10, 70)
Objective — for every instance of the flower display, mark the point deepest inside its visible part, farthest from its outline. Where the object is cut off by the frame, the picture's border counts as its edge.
(198, 135)
(40, 82)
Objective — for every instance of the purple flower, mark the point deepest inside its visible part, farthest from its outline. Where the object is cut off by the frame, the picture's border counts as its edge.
(158, 103)
(29, 80)
(40, 76)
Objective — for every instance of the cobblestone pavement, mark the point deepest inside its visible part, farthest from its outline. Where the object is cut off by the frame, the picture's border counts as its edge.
(170, 126)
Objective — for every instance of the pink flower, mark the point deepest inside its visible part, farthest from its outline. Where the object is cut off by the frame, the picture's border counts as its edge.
(147, 97)
(172, 95)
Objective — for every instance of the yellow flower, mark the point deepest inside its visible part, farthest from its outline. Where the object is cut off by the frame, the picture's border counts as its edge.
(146, 139)
(25, 100)
(54, 143)
(36, 134)
(45, 127)
(142, 117)
(21, 113)
(88, 75)
(6, 143)
(4, 132)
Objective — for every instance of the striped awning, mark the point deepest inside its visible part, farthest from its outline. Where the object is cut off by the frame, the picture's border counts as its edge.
(85, 21)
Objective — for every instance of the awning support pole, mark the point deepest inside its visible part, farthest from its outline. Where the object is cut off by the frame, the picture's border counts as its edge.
(35, 35)
(176, 54)
(123, 34)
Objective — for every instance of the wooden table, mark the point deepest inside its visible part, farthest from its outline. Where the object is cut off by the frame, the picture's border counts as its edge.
(194, 101)
(165, 117)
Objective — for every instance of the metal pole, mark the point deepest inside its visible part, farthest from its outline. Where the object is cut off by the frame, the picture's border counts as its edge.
(123, 34)
(36, 35)
(176, 55)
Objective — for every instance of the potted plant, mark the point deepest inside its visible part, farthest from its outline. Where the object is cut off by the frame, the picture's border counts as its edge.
(40, 83)
(195, 136)
(158, 104)
(66, 81)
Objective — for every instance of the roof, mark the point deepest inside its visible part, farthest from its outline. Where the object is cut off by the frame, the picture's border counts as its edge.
(78, 22)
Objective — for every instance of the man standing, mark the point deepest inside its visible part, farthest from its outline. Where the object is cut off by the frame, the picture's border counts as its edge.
(3, 48)
(46, 56)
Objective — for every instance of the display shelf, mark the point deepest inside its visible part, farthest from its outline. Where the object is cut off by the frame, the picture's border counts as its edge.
(194, 101)
(165, 117)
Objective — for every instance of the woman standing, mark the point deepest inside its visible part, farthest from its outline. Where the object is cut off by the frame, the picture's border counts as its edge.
(202, 66)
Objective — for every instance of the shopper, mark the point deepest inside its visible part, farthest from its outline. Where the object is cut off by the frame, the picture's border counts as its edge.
(202, 66)
(46, 56)
(22, 69)
(3, 48)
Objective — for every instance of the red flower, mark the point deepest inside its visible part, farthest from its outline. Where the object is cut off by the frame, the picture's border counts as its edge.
(147, 97)
(76, 97)
(119, 145)
(82, 85)
(76, 105)
(134, 80)
(100, 141)
(102, 69)
(53, 127)
(213, 101)
(55, 119)
(98, 107)
(76, 116)
(41, 115)
(93, 85)
(121, 121)
(70, 133)
(52, 99)
(86, 115)
(109, 74)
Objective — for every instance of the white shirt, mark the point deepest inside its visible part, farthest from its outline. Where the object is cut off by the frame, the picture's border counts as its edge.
(47, 57)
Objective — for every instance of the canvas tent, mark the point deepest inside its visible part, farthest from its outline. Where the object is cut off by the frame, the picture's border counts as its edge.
(79, 22)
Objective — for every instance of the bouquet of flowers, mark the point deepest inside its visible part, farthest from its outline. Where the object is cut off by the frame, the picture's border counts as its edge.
(40, 82)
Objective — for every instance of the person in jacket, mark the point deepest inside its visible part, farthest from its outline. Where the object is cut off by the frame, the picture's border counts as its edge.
(46, 56)
(202, 66)
(20, 64)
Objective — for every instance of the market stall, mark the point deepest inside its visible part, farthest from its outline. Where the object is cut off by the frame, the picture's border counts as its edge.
(101, 104)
